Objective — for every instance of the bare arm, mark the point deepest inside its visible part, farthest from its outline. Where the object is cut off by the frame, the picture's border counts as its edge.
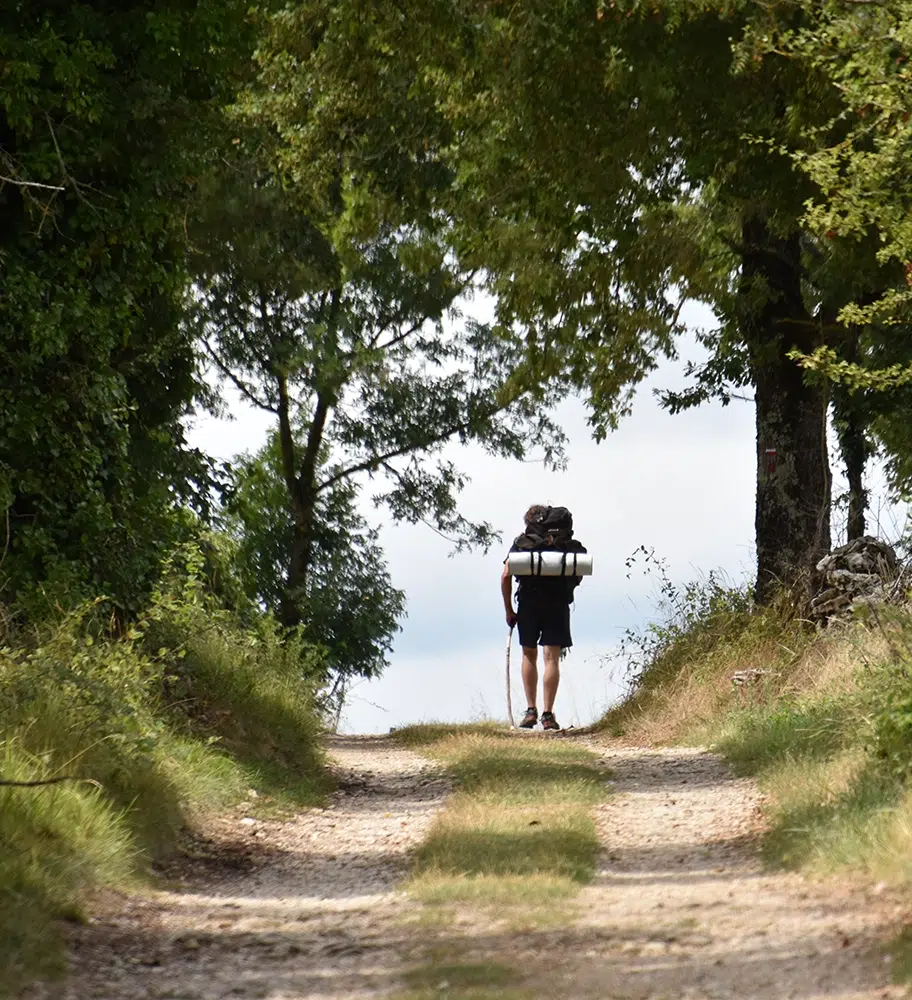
(506, 590)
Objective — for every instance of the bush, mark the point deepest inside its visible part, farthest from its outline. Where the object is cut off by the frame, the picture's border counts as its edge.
(890, 694)
(174, 718)
(692, 620)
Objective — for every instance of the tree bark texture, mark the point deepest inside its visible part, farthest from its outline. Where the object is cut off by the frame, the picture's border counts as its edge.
(793, 475)
(302, 493)
(301, 480)
(851, 425)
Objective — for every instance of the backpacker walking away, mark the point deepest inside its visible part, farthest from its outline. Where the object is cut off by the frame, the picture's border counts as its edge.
(543, 602)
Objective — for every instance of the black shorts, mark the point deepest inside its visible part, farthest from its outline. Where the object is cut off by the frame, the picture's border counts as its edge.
(543, 623)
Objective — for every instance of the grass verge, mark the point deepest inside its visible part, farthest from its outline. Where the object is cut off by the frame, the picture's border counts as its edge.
(513, 845)
(178, 719)
(826, 727)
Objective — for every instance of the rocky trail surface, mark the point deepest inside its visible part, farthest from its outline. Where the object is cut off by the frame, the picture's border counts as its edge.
(311, 907)
(681, 907)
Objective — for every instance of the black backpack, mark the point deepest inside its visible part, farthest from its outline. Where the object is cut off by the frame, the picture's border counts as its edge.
(552, 532)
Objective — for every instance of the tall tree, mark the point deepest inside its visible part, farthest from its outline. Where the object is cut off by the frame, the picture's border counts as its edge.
(859, 164)
(106, 116)
(353, 342)
(349, 606)
(573, 129)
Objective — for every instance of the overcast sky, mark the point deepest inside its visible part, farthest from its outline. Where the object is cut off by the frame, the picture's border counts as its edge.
(682, 485)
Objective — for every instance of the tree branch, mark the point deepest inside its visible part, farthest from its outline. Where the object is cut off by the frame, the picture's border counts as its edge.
(71, 181)
(400, 336)
(375, 461)
(385, 324)
(47, 781)
(31, 184)
(241, 386)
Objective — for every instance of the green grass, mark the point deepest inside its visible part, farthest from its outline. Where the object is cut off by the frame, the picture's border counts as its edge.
(512, 846)
(55, 843)
(170, 724)
(459, 975)
(900, 951)
(463, 981)
(251, 705)
(788, 728)
(519, 830)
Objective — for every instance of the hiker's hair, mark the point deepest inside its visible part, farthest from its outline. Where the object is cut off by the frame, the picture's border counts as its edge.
(535, 513)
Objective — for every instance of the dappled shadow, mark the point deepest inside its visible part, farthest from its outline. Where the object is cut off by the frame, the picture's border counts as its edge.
(307, 955)
(342, 874)
(342, 954)
(676, 768)
(676, 915)
(696, 856)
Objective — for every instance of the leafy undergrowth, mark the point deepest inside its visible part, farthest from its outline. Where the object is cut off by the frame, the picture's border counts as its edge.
(826, 728)
(156, 728)
(514, 844)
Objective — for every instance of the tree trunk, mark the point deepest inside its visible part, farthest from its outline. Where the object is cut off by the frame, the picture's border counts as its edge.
(850, 422)
(793, 482)
(301, 482)
(302, 493)
(854, 453)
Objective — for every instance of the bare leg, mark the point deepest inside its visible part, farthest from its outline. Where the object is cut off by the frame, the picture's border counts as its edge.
(552, 676)
(530, 674)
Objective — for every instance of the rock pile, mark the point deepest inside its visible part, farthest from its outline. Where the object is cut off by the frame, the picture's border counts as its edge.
(865, 571)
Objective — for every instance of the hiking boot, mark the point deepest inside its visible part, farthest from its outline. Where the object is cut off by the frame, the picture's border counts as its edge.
(529, 719)
(548, 721)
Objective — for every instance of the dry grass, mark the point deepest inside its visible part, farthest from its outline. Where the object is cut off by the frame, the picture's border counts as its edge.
(512, 847)
(520, 828)
(805, 730)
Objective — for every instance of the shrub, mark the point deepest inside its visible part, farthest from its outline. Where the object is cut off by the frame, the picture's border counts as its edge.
(175, 717)
(889, 688)
(691, 620)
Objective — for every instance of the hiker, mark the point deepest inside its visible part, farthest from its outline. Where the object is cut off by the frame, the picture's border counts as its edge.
(543, 608)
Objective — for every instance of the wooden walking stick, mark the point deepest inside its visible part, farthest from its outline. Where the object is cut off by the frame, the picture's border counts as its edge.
(509, 696)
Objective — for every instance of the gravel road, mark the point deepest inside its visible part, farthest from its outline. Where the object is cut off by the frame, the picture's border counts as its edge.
(681, 907)
(310, 909)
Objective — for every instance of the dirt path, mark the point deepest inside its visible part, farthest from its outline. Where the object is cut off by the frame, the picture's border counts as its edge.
(311, 909)
(681, 907)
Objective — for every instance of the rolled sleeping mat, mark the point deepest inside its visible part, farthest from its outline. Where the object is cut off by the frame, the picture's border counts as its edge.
(549, 564)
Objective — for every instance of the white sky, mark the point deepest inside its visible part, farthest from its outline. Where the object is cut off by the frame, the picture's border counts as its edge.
(682, 485)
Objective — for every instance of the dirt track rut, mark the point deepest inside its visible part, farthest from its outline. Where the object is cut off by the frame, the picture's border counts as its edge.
(681, 907)
(314, 911)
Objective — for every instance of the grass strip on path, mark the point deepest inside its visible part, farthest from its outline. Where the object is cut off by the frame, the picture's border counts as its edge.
(514, 843)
